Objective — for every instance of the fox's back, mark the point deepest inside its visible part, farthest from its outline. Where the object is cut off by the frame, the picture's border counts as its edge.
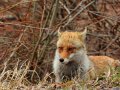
(102, 63)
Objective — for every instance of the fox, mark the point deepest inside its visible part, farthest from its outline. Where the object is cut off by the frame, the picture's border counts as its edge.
(71, 59)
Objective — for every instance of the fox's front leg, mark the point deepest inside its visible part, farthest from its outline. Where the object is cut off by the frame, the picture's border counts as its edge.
(82, 73)
(57, 78)
(58, 82)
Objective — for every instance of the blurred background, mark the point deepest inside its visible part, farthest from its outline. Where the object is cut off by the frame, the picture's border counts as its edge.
(28, 32)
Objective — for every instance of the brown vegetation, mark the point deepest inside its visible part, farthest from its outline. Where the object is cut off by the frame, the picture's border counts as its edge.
(28, 37)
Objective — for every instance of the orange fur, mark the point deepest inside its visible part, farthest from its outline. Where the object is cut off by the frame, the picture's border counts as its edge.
(102, 64)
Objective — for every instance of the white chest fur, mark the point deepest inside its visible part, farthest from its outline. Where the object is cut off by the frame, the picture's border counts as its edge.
(79, 66)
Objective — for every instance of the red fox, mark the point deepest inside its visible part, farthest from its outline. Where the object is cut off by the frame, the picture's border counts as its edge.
(71, 58)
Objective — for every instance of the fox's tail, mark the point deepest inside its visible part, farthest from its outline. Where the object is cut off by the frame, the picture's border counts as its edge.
(117, 63)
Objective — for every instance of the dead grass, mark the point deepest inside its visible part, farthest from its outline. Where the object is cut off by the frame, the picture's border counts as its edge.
(16, 79)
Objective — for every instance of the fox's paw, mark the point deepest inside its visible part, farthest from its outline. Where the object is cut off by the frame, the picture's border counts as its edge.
(62, 85)
(56, 85)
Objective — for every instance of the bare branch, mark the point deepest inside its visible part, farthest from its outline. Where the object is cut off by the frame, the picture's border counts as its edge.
(69, 20)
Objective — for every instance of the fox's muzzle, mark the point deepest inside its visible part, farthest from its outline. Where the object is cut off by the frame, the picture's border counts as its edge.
(64, 60)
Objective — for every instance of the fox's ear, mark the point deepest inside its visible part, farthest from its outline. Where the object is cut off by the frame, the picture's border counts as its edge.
(59, 33)
(83, 34)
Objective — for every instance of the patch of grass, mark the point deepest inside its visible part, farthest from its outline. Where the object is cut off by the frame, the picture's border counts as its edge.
(16, 79)
(102, 82)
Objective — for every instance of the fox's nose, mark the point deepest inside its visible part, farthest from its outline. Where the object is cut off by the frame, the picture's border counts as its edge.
(61, 59)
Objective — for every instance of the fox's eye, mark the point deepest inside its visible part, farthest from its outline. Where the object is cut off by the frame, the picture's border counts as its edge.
(71, 48)
(60, 48)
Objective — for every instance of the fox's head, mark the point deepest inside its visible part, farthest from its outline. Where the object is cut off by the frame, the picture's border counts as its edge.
(69, 44)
